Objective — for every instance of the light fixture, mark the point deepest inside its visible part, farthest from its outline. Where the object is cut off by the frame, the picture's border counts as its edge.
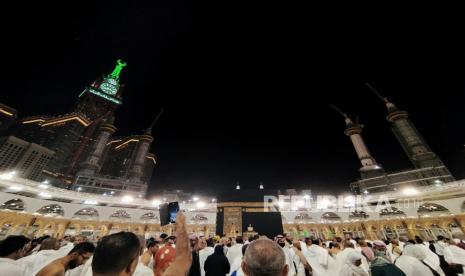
(213, 199)
(45, 195)
(112, 192)
(43, 186)
(200, 204)
(45, 182)
(127, 199)
(140, 196)
(261, 186)
(8, 175)
(16, 188)
(409, 191)
(195, 198)
(307, 197)
(238, 187)
(79, 189)
(156, 202)
(365, 192)
(90, 202)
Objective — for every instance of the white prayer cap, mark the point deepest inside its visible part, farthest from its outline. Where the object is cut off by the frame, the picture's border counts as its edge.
(353, 257)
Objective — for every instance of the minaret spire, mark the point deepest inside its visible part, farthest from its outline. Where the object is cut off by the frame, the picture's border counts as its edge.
(390, 106)
(149, 129)
(418, 151)
(143, 148)
(369, 167)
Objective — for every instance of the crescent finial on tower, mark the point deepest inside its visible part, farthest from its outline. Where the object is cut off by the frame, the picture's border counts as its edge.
(117, 71)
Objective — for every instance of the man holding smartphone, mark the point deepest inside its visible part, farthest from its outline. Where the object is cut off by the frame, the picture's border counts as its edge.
(183, 261)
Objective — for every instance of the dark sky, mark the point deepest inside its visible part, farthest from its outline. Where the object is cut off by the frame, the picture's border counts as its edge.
(245, 88)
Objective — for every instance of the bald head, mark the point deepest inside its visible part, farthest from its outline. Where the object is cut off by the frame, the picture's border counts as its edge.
(263, 257)
(50, 244)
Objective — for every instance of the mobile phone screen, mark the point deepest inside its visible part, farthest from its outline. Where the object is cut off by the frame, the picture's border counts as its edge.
(173, 209)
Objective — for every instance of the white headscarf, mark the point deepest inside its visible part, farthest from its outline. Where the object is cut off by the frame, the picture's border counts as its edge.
(414, 251)
(350, 269)
(353, 257)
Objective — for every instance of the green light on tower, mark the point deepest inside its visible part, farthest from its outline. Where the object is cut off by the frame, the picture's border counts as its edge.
(110, 84)
(117, 71)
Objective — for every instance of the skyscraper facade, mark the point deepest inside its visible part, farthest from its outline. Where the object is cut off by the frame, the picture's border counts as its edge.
(84, 151)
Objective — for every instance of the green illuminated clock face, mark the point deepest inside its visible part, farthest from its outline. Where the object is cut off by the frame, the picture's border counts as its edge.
(109, 88)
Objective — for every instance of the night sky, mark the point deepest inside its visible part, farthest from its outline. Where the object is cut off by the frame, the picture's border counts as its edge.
(245, 89)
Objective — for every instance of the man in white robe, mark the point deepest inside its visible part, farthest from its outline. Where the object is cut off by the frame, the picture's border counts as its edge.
(235, 251)
(454, 255)
(341, 257)
(204, 253)
(430, 258)
(410, 265)
(318, 257)
(47, 253)
(353, 267)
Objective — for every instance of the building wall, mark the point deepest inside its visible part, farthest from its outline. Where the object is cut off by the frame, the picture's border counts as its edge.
(28, 159)
(119, 158)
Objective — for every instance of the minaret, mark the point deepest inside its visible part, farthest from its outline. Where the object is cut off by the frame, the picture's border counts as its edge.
(91, 166)
(370, 168)
(418, 151)
(143, 147)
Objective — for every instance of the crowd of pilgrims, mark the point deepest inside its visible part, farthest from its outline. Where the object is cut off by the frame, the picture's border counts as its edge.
(125, 253)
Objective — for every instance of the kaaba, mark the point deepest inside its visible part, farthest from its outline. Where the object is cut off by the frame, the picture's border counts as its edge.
(239, 209)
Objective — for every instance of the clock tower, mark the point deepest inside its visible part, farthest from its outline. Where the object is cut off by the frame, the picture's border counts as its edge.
(103, 97)
(97, 103)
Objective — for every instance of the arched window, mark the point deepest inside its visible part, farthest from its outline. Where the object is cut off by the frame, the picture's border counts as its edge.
(390, 212)
(330, 217)
(356, 215)
(53, 210)
(199, 218)
(432, 209)
(150, 217)
(87, 213)
(120, 215)
(303, 218)
(13, 205)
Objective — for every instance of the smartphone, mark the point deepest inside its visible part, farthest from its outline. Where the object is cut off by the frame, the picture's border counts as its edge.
(173, 209)
(168, 213)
